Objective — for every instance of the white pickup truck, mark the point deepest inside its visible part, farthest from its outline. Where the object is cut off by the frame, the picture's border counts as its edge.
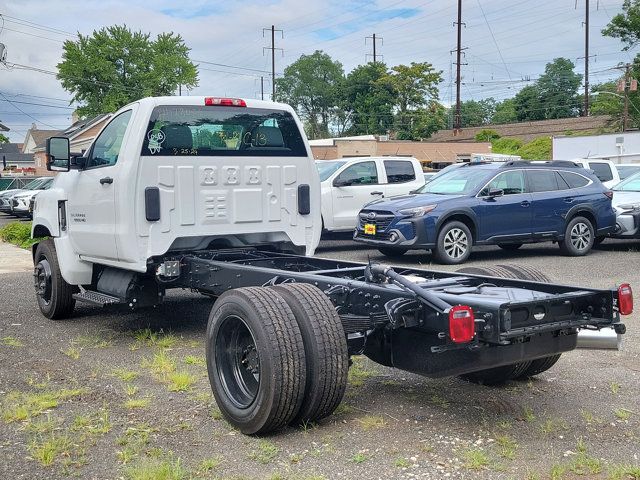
(221, 196)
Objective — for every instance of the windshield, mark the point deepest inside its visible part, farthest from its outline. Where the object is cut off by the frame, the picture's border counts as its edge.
(328, 168)
(33, 184)
(631, 184)
(460, 181)
(626, 171)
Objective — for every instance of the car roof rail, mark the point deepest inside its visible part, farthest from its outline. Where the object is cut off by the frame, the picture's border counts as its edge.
(549, 163)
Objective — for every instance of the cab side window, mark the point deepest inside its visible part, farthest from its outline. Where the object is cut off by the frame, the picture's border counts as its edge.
(399, 171)
(106, 148)
(511, 183)
(363, 173)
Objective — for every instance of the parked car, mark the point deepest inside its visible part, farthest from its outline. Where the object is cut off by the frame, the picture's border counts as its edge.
(605, 170)
(506, 204)
(20, 201)
(625, 170)
(428, 176)
(5, 196)
(626, 203)
(349, 184)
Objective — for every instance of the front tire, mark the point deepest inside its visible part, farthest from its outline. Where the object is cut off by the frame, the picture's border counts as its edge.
(453, 245)
(325, 347)
(255, 359)
(578, 237)
(54, 294)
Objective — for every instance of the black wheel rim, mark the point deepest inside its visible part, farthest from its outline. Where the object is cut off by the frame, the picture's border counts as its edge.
(237, 361)
(42, 280)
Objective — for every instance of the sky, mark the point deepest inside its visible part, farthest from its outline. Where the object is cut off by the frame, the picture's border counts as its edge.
(508, 42)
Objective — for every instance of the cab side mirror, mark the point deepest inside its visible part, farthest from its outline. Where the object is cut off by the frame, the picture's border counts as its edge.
(341, 182)
(496, 192)
(58, 154)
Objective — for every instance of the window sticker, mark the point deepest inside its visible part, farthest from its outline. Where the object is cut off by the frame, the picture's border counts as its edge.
(155, 137)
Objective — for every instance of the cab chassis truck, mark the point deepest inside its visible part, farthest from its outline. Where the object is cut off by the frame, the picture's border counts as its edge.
(283, 324)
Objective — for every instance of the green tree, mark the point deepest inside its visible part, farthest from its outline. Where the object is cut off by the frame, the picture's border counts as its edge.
(312, 85)
(486, 135)
(369, 98)
(3, 139)
(626, 25)
(537, 149)
(558, 89)
(115, 66)
(507, 146)
(475, 113)
(528, 105)
(505, 112)
(426, 121)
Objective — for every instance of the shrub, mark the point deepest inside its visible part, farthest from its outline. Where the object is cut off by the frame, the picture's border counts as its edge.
(507, 146)
(486, 135)
(537, 149)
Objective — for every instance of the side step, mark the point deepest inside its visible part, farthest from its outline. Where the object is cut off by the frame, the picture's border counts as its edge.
(97, 298)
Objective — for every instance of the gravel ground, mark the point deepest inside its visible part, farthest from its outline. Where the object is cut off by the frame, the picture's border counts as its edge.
(91, 397)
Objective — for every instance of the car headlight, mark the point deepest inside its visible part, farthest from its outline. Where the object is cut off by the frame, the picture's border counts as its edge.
(417, 211)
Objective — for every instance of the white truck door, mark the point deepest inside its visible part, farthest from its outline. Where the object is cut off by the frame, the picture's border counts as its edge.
(401, 177)
(91, 199)
(353, 188)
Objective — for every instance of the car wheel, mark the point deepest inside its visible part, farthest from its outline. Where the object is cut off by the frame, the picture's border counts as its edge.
(392, 252)
(325, 347)
(255, 359)
(497, 375)
(510, 246)
(454, 243)
(54, 294)
(538, 366)
(578, 237)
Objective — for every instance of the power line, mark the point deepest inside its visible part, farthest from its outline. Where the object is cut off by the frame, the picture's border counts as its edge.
(374, 40)
(494, 39)
(27, 114)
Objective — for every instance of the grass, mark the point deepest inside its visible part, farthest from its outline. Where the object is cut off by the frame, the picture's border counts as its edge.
(401, 462)
(180, 381)
(343, 409)
(18, 233)
(19, 406)
(47, 448)
(91, 340)
(507, 446)
(476, 459)
(359, 458)
(154, 339)
(215, 413)
(160, 364)
(622, 413)
(265, 452)
(209, 464)
(528, 415)
(195, 360)
(12, 342)
(371, 422)
(72, 352)
(155, 469)
(133, 403)
(124, 374)
(552, 426)
(130, 390)
(97, 423)
(614, 387)
(358, 373)
(135, 439)
(624, 472)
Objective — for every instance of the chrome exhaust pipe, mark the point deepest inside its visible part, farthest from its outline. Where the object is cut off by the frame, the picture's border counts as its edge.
(603, 339)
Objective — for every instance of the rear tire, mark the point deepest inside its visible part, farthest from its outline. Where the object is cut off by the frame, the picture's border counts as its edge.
(540, 365)
(255, 359)
(510, 247)
(392, 252)
(54, 294)
(578, 237)
(325, 348)
(498, 375)
(453, 245)
(525, 272)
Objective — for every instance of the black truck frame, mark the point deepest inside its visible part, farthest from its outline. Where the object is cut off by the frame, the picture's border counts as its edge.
(432, 323)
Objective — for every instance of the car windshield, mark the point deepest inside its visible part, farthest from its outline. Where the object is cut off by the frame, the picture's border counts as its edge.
(33, 184)
(326, 168)
(626, 171)
(460, 181)
(631, 184)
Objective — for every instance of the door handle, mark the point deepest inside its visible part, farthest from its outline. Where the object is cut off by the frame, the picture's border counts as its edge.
(377, 193)
(526, 203)
(104, 180)
(568, 199)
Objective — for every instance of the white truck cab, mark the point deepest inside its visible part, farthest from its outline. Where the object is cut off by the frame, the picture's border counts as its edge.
(605, 170)
(181, 173)
(348, 184)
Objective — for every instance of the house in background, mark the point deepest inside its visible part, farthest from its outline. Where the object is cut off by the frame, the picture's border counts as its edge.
(17, 162)
(36, 137)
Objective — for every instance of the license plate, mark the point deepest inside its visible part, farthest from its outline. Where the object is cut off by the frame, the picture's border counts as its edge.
(369, 229)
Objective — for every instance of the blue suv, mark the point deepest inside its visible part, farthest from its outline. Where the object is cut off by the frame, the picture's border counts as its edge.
(504, 204)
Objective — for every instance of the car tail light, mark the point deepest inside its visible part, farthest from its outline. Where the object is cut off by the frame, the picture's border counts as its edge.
(224, 102)
(462, 326)
(608, 194)
(625, 299)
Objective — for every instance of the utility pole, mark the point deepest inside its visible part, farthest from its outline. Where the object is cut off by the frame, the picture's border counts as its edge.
(586, 59)
(273, 49)
(261, 87)
(625, 114)
(374, 40)
(457, 120)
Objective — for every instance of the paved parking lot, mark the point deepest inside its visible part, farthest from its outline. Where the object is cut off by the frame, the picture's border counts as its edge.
(102, 394)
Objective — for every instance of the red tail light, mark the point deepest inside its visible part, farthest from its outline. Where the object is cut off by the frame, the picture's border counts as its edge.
(462, 326)
(625, 299)
(608, 194)
(224, 102)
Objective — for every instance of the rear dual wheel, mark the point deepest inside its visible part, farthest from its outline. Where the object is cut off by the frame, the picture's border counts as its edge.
(275, 356)
(520, 370)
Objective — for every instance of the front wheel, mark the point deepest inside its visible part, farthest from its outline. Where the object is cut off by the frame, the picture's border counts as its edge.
(578, 237)
(53, 293)
(255, 359)
(454, 243)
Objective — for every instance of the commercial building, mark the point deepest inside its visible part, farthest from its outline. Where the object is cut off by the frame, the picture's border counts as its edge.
(617, 147)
